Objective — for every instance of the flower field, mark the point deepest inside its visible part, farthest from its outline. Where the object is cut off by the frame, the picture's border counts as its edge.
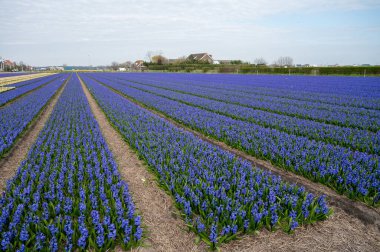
(355, 139)
(2, 75)
(21, 88)
(347, 170)
(17, 116)
(69, 192)
(219, 195)
(13, 78)
(347, 91)
(324, 112)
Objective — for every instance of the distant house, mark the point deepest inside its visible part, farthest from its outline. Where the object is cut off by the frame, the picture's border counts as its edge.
(204, 57)
(8, 63)
(56, 68)
(40, 69)
(139, 65)
(304, 65)
(122, 69)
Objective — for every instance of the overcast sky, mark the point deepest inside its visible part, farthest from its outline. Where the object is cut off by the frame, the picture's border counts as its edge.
(79, 32)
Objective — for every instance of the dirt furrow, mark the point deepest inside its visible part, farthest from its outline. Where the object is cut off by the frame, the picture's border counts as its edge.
(13, 159)
(165, 230)
(341, 232)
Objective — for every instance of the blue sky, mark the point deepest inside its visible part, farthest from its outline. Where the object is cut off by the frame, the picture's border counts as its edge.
(97, 32)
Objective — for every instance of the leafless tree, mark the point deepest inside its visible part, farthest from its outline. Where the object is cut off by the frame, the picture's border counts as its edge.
(181, 59)
(128, 64)
(21, 66)
(149, 55)
(260, 61)
(114, 65)
(284, 61)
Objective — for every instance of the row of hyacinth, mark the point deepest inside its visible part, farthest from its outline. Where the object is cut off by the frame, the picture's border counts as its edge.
(27, 82)
(332, 114)
(2, 75)
(220, 195)
(15, 117)
(344, 91)
(355, 139)
(354, 173)
(67, 194)
(283, 88)
(26, 86)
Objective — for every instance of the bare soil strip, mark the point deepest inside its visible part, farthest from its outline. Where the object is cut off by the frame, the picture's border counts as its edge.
(353, 226)
(165, 230)
(12, 160)
(340, 232)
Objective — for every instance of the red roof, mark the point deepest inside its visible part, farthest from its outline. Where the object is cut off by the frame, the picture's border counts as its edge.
(8, 63)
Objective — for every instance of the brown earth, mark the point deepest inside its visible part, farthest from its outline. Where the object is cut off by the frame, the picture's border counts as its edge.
(14, 157)
(354, 226)
(165, 231)
(341, 232)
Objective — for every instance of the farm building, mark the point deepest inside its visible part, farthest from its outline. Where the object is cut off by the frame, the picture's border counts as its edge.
(139, 65)
(204, 57)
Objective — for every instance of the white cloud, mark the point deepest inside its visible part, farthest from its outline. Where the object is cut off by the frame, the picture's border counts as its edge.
(170, 24)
